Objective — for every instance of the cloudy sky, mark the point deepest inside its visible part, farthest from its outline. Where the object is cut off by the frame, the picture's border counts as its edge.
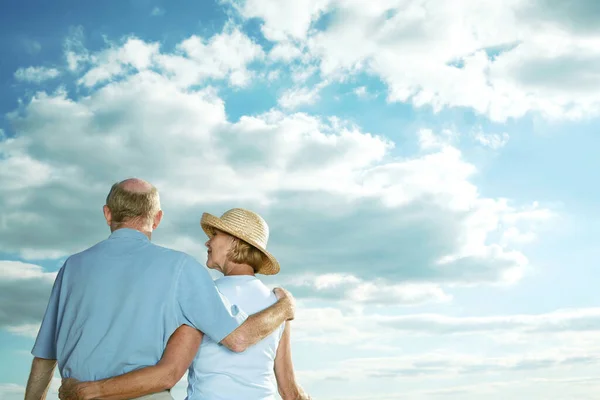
(426, 167)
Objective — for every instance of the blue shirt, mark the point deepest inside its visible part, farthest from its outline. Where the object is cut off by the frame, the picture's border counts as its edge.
(114, 306)
(220, 374)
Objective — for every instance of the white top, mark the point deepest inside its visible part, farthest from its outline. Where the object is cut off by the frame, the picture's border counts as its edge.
(220, 374)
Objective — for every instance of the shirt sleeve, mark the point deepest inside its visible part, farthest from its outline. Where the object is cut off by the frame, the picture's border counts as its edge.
(45, 344)
(202, 306)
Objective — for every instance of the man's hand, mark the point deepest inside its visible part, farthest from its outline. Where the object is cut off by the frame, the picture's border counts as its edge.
(69, 390)
(286, 298)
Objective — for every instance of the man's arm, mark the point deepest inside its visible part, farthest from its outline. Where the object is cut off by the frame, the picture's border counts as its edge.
(44, 349)
(40, 376)
(287, 386)
(177, 357)
(200, 304)
(262, 324)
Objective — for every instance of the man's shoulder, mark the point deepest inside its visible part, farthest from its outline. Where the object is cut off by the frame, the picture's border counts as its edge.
(167, 251)
(181, 257)
(152, 250)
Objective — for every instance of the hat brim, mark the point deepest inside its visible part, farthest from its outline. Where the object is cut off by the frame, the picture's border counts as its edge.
(209, 223)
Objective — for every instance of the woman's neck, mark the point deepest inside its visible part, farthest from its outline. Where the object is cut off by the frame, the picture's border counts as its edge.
(232, 269)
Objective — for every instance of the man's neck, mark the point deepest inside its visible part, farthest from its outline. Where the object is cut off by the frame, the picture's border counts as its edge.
(135, 228)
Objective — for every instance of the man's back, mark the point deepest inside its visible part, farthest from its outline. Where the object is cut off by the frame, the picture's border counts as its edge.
(116, 308)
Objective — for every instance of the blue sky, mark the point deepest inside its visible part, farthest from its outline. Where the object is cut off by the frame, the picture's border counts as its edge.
(427, 172)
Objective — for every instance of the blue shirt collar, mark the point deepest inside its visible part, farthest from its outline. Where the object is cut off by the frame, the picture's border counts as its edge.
(128, 234)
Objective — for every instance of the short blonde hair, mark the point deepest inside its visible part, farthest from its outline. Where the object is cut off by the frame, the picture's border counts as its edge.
(244, 253)
(130, 206)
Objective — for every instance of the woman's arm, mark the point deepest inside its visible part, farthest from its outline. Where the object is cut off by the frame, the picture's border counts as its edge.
(40, 377)
(177, 357)
(287, 386)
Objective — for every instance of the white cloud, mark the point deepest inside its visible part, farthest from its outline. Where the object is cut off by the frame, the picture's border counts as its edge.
(285, 52)
(295, 97)
(492, 140)
(24, 292)
(27, 330)
(354, 224)
(116, 61)
(438, 366)
(498, 335)
(435, 354)
(225, 55)
(76, 54)
(429, 140)
(587, 319)
(361, 92)
(274, 75)
(301, 73)
(448, 364)
(349, 288)
(11, 391)
(36, 74)
(496, 58)
(284, 21)
(419, 221)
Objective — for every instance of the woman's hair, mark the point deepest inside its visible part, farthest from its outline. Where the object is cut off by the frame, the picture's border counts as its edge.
(244, 253)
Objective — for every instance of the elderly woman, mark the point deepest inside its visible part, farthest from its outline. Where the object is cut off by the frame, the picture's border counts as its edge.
(237, 248)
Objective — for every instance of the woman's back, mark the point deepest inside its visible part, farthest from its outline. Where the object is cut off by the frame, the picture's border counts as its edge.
(220, 374)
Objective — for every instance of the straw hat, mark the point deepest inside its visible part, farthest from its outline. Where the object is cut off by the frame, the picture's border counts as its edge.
(247, 226)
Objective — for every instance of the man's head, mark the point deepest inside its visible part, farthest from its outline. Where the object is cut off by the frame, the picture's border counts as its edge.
(225, 249)
(133, 203)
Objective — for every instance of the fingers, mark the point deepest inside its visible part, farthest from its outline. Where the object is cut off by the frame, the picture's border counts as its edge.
(281, 293)
(284, 295)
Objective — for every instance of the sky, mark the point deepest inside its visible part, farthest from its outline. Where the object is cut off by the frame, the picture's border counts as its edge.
(426, 168)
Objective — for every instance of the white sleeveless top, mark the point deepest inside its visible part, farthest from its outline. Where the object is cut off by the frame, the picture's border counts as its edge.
(220, 374)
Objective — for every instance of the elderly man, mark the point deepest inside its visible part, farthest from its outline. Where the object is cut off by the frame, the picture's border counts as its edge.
(114, 306)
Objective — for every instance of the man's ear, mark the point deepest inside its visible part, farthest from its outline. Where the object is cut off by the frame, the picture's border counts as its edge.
(157, 219)
(107, 215)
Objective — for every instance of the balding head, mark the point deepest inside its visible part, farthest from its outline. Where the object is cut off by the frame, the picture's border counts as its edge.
(133, 203)
(135, 185)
